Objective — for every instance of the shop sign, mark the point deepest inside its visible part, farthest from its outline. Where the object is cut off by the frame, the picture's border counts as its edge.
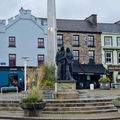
(114, 67)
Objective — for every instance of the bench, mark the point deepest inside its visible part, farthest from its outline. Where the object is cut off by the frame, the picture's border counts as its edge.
(113, 85)
(9, 88)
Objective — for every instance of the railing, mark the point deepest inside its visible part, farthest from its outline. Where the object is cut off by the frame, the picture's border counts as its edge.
(9, 88)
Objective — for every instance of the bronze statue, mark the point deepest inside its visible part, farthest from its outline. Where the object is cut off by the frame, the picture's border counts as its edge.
(69, 60)
(64, 61)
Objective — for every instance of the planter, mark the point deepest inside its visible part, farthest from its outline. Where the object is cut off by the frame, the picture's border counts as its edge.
(105, 86)
(116, 103)
(32, 109)
(47, 92)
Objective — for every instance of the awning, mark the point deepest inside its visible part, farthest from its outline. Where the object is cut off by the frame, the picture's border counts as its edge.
(90, 69)
(77, 68)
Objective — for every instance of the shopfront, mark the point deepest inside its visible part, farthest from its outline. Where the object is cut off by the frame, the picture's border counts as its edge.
(86, 74)
(7, 75)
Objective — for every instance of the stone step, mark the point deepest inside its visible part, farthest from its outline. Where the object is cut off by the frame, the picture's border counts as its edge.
(81, 111)
(10, 108)
(19, 116)
(78, 104)
(9, 104)
(77, 100)
(52, 108)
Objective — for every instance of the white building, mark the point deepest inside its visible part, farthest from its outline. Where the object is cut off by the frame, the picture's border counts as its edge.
(23, 36)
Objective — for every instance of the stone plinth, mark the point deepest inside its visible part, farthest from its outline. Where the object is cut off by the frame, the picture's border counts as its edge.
(66, 89)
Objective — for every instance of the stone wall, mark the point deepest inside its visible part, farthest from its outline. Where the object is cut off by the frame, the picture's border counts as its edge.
(84, 49)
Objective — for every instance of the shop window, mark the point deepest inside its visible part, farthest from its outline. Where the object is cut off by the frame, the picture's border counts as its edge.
(12, 77)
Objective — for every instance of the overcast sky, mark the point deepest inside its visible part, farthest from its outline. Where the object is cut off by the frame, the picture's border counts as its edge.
(106, 10)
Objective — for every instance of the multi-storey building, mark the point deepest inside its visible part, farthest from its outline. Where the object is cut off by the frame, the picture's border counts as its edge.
(110, 38)
(84, 39)
(26, 36)
(23, 36)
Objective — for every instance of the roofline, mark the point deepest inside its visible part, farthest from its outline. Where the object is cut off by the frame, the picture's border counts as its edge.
(79, 31)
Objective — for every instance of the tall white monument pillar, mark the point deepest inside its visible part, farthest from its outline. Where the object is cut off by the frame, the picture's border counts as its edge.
(52, 32)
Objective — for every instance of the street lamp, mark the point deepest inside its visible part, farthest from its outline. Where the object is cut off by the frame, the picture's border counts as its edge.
(25, 67)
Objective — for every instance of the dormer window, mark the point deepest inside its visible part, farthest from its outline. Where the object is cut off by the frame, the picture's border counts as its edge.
(12, 41)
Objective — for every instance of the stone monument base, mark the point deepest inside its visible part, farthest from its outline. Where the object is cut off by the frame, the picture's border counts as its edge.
(66, 89)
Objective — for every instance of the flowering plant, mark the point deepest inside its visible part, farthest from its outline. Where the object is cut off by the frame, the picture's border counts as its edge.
(104, 79)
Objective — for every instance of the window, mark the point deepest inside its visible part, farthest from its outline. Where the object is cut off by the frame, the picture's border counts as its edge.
(118, 41)
(76, 54)
(91, 41)
(40, 42)
(40, 59)
(12, 59)
(91, 55)
(118, 57)
(108, 41)
(108, 57)
(76, 40)
(59, 39)
(12, 41)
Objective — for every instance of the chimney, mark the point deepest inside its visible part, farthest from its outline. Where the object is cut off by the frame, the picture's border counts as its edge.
(2, 25)
(92, 19)
(25, 12)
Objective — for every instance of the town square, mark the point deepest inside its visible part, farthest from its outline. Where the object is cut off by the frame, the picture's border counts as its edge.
(54, 68)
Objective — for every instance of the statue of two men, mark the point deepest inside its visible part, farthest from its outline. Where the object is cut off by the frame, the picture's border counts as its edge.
(64, 61)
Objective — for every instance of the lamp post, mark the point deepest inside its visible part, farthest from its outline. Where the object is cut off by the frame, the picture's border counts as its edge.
(25, 69)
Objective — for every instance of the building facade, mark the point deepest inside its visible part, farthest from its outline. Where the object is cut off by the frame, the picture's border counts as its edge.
(83, 37)
(92, 44)
(110, 38)
(23, 36)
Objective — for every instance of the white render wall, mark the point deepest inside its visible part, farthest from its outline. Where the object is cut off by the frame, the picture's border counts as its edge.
(27, 29)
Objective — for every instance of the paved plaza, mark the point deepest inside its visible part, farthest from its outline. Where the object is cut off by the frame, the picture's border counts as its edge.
(84, 94)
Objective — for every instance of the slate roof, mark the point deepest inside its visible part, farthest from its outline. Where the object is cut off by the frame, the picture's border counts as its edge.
(109, 27)
(76, 26)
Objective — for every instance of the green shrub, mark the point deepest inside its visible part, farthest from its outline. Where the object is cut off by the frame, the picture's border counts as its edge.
(30, 99)
(49, 76)
(117, 99)
(104, 80)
